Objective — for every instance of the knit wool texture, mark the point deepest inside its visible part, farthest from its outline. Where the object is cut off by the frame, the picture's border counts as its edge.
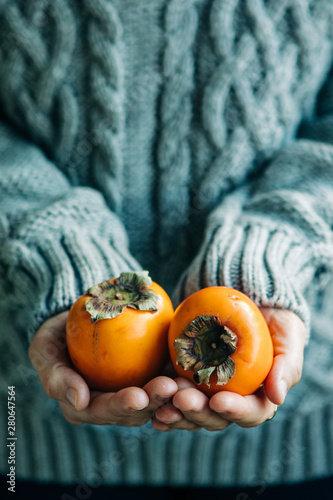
(192, 138)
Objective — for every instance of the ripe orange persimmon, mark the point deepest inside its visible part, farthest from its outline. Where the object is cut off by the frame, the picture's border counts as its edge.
(117, 332)
(219, 339)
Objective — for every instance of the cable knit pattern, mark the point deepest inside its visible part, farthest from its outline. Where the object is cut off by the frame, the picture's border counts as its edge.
(167, 132)
(264, 119)
(106, 81)
(32, 88)
(266, 107)
(174, 154)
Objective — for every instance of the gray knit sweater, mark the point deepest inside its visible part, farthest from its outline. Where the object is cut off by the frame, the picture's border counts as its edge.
(193, 138)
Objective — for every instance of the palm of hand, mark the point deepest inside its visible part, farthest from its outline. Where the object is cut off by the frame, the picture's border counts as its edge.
(191, 409)
(170, 403)
(132, 406)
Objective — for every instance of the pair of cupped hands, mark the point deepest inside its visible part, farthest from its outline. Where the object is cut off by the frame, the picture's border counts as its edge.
(169, 402)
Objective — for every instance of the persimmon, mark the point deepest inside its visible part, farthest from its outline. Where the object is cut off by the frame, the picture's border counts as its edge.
(219, 339)
(117, 332)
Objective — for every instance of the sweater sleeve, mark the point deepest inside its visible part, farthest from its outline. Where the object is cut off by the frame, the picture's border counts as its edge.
(271, 238)
(56, 240)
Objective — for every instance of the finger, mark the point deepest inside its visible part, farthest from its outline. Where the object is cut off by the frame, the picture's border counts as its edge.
(285, 373)
(49, 343)
(194, 405)
(160, 390)
(245, 411)
(160, 426)
(63, 384)
(170, 418)
(168, 414)
(289, 337)
(132, 405)
(48, 353)
(184, 383)
(121, 408)
(181, 424)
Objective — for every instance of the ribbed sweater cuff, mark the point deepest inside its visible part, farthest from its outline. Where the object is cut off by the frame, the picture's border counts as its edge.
(52, 259)
(71, 270)
(272, 267)
(72, 265)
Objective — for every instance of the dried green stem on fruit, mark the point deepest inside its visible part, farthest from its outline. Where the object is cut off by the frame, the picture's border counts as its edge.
(131, 289)
(205, 346)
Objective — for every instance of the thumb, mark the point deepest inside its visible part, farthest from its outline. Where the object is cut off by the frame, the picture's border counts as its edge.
(49, 355)
(289, 336)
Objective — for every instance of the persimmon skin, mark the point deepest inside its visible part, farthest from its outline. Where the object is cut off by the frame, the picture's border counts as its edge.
(254, 354)
(128, 350)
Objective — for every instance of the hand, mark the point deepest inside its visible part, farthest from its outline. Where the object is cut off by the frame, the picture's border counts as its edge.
(192, 410)
(132, 406)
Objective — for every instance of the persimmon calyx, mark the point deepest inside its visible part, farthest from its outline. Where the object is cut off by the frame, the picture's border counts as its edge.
(131, 289)
(205, 346)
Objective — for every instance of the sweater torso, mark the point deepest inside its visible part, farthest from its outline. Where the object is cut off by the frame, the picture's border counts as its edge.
(162, 106)
(167, 108)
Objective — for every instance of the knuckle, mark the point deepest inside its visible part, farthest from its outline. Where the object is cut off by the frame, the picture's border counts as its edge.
(53, 387)
(50, 390)
(98, 418)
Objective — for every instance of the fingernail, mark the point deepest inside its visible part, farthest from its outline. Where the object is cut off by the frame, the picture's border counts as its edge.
(71, 396)
(283, 388)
